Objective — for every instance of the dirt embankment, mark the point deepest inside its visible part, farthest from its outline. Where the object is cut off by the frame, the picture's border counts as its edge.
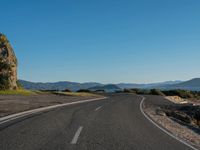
(179, 100)
(176, 99)
(182, 120)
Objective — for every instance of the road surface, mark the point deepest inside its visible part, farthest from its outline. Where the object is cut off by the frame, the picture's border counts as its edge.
(115, 123)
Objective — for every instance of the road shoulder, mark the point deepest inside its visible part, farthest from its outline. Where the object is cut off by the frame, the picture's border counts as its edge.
(169, 126)
(36, 104)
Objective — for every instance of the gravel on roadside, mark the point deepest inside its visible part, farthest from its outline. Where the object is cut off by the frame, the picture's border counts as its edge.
(174, 126)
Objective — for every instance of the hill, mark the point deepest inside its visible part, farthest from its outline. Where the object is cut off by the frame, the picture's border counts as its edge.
(74, 86)
(148, 86)
(193, 85)
(106, 88)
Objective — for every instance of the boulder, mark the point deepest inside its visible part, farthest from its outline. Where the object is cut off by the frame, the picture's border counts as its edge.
(8, 65)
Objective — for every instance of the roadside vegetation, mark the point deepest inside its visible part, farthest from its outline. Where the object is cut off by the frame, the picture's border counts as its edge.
(188, 114)
(181, 93)
(18, 92)
(80, 94)
(83, 91)
(66, 92)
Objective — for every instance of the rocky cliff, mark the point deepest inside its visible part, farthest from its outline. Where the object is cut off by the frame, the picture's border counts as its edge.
(8, 65)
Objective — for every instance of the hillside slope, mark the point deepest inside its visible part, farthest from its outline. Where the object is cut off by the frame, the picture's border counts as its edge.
(74, 86)
(193, 84)
(107, 88)
(149, 85)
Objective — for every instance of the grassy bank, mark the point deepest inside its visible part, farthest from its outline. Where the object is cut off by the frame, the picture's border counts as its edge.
(17, 92)
(29, 92)
(80, 94)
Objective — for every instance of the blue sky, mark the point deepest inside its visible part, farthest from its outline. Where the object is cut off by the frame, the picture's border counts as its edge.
(108, 41)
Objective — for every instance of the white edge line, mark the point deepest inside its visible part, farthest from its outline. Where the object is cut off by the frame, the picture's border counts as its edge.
(76, 136)
(38, 110)
(170, 134)
(98, 108)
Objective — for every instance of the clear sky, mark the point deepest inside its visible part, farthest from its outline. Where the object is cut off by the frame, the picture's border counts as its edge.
(108, 41)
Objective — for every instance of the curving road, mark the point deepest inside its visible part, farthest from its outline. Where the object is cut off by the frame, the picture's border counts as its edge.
(115, 123)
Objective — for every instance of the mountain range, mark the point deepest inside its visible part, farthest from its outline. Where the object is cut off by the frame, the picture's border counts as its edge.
(62, 85)
(106, 88)
(193, 84)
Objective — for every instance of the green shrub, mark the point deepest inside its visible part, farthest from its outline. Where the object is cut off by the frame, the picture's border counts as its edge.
(17, 92)
(143, 92)
(135, 90)
(180, 93)
(101, 91)
(156, 92)
(127, 91)
(83, 90)
(19, 85)
(67, 90)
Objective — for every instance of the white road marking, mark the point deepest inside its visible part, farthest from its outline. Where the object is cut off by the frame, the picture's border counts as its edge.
(98, 108)
(76, 136)
(165, 131)
(43, 109)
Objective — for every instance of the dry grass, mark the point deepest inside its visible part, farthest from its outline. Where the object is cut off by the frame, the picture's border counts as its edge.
(28, 92)
(17, 101)
(17, 92)
(80, 94)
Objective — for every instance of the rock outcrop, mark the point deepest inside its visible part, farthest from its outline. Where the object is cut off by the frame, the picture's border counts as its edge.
(8, 65)
(187, 114)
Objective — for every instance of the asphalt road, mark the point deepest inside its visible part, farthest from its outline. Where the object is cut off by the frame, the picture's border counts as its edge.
(115, 123)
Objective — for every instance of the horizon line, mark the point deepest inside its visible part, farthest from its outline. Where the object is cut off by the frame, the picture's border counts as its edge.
(105, 83)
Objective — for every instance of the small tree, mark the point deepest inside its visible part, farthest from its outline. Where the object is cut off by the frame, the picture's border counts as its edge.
(67, 90)
(83, 90)
(156, 92)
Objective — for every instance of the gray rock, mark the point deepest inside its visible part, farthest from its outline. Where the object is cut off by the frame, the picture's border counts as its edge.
(8, 65)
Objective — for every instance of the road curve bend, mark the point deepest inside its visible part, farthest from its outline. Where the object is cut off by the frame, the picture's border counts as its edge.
(115, 123)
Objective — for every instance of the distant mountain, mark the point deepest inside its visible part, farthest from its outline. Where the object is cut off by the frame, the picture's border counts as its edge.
(106, 88)
(74, 86)
(193, 85)
(130, 85)
(148, 86)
